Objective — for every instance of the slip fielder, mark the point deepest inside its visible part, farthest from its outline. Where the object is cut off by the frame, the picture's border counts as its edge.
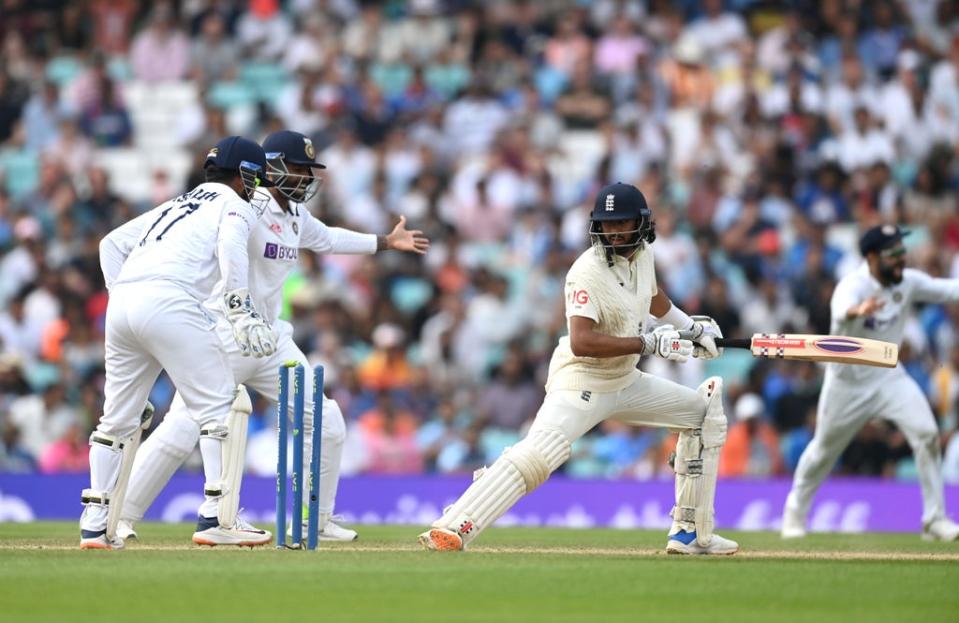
(872, 302)
(159, 268)
(610, 292)
(285, 227)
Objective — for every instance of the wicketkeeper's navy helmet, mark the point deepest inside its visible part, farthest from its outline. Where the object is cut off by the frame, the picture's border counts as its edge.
(621, 202)
(285, 148)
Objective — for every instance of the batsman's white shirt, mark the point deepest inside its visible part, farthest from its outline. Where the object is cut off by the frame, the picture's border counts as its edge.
(581, 392)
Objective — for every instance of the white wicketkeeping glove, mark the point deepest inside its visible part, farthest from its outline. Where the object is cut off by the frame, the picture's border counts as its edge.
(665, 342)
(253, 335)
(705, 330)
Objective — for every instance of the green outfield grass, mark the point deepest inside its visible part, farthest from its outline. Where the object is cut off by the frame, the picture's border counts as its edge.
(512, 574)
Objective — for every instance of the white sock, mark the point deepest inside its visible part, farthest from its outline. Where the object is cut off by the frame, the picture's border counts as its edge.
(211, 450)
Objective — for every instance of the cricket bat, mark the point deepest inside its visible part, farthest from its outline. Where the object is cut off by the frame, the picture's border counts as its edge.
(833, 348)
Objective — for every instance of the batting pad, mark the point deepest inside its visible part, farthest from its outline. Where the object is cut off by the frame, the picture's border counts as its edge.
(232, 438)
(518, 471)
(697, 465)
(157, 460)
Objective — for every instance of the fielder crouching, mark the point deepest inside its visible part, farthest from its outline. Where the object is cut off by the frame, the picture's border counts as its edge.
(610, 292)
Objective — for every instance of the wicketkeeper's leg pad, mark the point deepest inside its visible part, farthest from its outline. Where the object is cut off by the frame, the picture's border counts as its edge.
(697, 464)
(112, 498)
(232, 439)
(518, 471)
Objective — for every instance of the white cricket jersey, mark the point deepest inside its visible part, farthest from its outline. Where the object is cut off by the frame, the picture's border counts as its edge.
(886, 323)
(273, 249)
(194, 240)
(617, 297)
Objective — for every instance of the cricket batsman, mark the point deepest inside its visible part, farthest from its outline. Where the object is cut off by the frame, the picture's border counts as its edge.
(610, 292)
(285, 227)
(872, 302)
(159, 267)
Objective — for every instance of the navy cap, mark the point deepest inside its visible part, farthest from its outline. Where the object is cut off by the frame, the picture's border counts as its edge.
(232, 151)
(619, 202)
(292, 148)
(881, 237)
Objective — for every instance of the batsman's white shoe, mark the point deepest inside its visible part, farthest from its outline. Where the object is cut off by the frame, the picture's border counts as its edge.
(794, 526)
(90, 539)
(441, 540)
(125, 530)
(942, 529)
(685, 543)
(210, 532)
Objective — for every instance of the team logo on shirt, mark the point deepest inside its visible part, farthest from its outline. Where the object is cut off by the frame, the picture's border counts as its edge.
(897, 297)
(296, 228)
(275, 251)
(276, 228)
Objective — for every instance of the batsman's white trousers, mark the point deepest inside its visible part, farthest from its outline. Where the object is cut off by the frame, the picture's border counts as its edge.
(154, 326)
(844, 408)
(647, 401)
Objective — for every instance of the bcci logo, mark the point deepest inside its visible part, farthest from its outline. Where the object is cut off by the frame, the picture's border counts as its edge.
(610, 199)
(308, 148)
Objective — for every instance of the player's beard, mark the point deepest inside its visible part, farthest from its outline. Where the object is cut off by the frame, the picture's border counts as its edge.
(890, 273)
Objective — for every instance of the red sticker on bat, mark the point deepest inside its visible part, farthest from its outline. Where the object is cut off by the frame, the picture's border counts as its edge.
(776, 342)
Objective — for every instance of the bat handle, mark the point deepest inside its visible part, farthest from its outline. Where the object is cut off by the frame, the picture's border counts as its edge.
(725, 342)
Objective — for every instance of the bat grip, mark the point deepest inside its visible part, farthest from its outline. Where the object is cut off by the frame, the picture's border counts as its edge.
(725, 342)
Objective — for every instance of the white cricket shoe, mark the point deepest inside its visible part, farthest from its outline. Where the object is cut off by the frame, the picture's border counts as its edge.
(210, 532)
(441, 540)
(98, 540)
(793, 527)
(331, 531)
(126, 530)
(685, 543)
(942, 529)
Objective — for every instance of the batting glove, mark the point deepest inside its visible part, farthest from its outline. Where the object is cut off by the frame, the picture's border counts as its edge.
(705, 330)
(664, 341)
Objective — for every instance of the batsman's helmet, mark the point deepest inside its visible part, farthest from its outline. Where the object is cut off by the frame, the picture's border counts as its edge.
(285, 148)
(621, 202)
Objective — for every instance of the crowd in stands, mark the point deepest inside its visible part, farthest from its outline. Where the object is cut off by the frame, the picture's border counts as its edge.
(766, 136)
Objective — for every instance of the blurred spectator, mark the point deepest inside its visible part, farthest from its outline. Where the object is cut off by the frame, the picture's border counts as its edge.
(512, 398)
(42, 418)
(752, 445)
(264, 30)
(160, 51)
(213, 55)
(386, 368)
(106, 122)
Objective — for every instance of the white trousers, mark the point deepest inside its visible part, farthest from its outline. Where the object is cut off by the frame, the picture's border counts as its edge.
(157, 326)
(154, 326)
(174, 439)
(647, 401)
(844, 408)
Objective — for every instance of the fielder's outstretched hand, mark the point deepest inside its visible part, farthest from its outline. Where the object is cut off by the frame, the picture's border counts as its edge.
(402, 239)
